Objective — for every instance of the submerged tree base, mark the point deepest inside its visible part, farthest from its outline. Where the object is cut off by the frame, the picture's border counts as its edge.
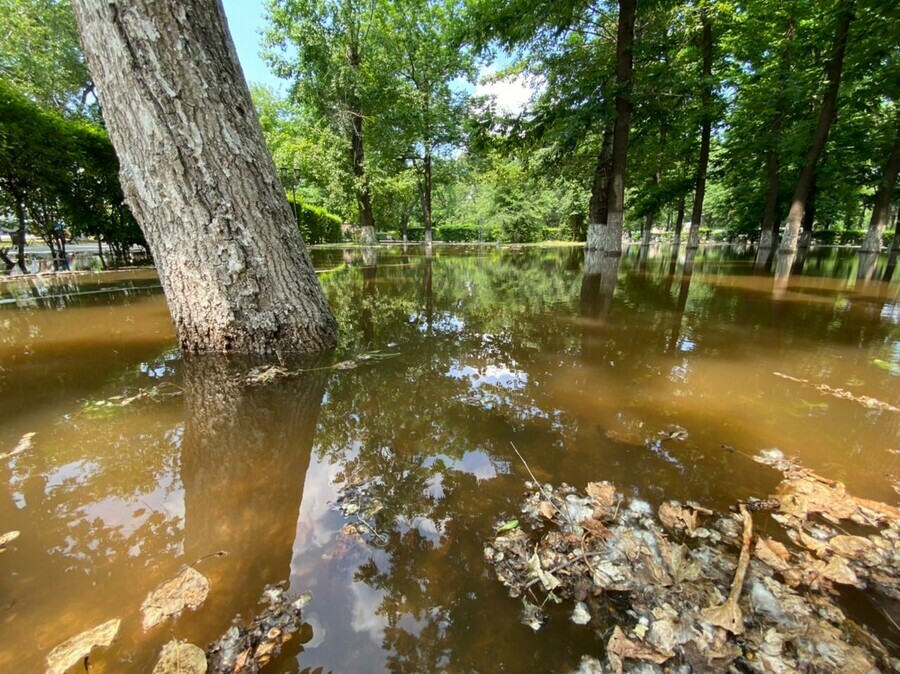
(712, 601)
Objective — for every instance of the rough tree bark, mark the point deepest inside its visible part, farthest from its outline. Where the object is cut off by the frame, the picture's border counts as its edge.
(706, 46)
(820, 135)
(609, 237)
(599, 202)
(197, 175)
(768, 237)
(881, 213)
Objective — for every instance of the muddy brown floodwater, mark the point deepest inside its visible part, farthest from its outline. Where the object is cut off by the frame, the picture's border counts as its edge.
(449, 359)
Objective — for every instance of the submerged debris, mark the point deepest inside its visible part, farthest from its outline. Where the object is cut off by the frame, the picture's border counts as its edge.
(79, 647)
(188, 589)
(23, 445)
(713, 603)
(812, 508)
(108, 405)
(865, 401)
(246, 649)
(180, 657)
(266, 374)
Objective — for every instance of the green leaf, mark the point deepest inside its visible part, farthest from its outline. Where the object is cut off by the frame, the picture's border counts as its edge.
(508, 526)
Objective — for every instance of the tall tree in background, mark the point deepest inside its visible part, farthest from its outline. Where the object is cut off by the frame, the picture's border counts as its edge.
(330, 50)
(844, 16)
(425, 110)
(40, 55)
(199, 179)
(706, 118)
(608, 237)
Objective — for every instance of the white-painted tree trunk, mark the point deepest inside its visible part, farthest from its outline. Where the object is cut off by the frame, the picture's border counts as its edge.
(197, 175)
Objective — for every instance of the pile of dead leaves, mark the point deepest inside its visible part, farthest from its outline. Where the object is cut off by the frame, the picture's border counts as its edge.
(684, 588)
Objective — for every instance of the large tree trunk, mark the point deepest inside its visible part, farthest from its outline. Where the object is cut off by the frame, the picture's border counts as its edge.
(198, 177)
(367, 234)
(809, 217)
(610, 236)
(768, 237)
(679, 225)
(706, 46)
(599, 202)
(881, 214)
(884, 196)
(820, 135)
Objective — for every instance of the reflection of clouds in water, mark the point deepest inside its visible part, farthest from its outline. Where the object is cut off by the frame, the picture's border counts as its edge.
(318, 523)
(129, 515)
(365, 611)
(445, 323)
(70, 475)
(475, 462)
(492, 375)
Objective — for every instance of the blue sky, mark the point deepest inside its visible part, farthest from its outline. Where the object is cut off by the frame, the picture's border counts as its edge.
(246, 21)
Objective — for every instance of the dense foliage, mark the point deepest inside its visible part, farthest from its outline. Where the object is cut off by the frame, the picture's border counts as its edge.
(737, 112)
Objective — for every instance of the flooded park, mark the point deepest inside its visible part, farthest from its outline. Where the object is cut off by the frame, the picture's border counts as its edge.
(374, 477)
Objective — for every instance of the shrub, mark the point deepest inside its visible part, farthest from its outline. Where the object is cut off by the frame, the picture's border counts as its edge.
(457, 233)
(826, 237)
(316, 224)
(414, 233)
(555, 234)
(888, 238)
(851, 237)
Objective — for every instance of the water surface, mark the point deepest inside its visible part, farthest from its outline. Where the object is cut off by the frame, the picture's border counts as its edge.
(476, 351)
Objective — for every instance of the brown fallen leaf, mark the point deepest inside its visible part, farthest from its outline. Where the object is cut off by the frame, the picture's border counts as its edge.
(773, 553)
(23, 445)
(546, 510)
(625, 648)
(74, 650)
(188, 589)
(603, 493)
(180, 657)
(676, 517)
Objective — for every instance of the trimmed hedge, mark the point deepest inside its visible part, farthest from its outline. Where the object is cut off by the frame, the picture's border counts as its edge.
(457, 233)
(316, 224)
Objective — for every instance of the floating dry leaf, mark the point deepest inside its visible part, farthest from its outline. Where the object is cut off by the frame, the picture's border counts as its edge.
(180, 657)
(7, 538)
(74, 650)
(23, 445)
(603, 493)
(188, 589)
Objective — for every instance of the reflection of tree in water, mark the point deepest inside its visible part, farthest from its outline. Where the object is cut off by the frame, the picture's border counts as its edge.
(245, 455)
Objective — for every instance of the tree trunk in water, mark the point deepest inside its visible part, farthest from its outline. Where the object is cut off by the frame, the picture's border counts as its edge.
(199, 179)
(881, 214)
(884, 196)
(20, 244)
(768, 237)
(706, 46)
(367, 234)
(820, 136)
(610, 239)
(809, 217)
(679, 225)
(426, 195)
(599, 203)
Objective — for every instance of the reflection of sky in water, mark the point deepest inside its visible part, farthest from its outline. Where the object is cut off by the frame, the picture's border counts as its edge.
(445, 323)
(491, 375)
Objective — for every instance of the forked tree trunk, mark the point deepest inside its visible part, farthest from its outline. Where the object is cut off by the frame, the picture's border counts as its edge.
(820, 135)
(706, 46)
(198, 177)
(610, 239)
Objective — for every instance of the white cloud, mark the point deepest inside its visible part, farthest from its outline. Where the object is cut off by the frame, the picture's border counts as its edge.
(512, 93)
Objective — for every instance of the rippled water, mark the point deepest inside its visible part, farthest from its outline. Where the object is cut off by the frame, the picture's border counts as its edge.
(475, 350)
